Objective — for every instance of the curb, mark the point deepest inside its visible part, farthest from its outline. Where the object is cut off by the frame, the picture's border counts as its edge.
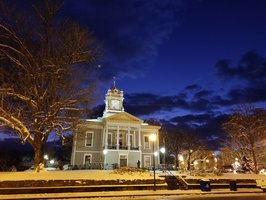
(131, 194)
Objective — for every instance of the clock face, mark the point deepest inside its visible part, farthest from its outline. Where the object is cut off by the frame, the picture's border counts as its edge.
(115, 104)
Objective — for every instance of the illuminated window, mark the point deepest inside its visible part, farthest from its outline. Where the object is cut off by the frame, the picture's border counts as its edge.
(146, 142)
(89, 139)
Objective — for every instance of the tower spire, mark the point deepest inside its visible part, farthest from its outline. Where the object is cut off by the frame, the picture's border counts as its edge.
(114, 78)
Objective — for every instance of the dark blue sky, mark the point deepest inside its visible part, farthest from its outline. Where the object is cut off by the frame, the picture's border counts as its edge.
(162, 47)
(180, 61)
(189, 61)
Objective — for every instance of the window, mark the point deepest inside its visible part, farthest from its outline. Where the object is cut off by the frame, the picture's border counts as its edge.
(109, 139)
(120, 139)
(89, 139)
(146, 142)
(87, 159)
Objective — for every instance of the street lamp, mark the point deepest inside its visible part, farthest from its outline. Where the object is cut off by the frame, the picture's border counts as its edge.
(153, 139)
(189, 157)
(104, 153)
(46, 158)
(162, 150)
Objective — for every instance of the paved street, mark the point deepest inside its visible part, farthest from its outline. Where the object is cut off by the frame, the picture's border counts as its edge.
(222, 194)
(193, 197)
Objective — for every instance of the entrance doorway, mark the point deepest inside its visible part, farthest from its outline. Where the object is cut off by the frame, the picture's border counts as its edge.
(123, 160)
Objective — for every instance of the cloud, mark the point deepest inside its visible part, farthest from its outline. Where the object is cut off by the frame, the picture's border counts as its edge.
(131, 31)
(203, 93)
(148, 103)
(209, 126)
(191, 118)
(250, 71)
(254, 93)
(193, 87)
(251, 67)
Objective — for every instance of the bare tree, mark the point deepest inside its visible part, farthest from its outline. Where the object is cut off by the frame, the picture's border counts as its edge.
(174, 142)
(245, 129)
(44, 65)
(194, 147)
(184, 141)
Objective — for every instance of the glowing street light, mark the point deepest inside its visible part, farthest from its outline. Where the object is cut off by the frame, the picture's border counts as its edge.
(104, 161)
(180, 157)
(46, 157)
(105, 151)
(162, 150)
(153, 139)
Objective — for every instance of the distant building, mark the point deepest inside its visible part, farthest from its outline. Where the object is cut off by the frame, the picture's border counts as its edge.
(115, 139)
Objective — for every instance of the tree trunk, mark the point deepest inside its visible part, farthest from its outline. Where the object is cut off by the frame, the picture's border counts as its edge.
(176, 162)
(38, 155)
(188, 161)
(254, 160)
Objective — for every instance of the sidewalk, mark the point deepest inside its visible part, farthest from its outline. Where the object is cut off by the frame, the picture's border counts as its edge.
(140, 193)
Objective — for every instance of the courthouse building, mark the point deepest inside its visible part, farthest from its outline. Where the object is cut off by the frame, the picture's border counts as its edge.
(115, 139)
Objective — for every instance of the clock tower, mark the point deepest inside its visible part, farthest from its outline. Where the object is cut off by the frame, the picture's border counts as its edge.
(113, 101)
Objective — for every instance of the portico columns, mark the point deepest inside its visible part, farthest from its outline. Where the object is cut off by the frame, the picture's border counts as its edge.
(117, 138)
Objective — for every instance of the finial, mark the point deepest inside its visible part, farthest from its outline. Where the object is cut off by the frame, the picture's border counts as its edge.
(114, 82)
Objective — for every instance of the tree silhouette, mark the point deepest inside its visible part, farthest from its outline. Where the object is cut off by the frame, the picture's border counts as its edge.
(44, 65)
(246, 128)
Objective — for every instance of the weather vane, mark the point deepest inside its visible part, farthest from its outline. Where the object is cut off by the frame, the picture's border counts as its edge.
(114, 82)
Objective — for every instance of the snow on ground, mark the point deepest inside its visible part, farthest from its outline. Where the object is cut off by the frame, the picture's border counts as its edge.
(231, 176)
(109, 175)
(73, 175)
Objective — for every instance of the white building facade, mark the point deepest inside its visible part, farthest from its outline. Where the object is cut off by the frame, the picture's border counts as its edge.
(117, 139)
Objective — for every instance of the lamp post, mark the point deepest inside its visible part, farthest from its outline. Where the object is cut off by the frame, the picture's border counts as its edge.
(46, 158)
(162, 150)
(104, 161)
(189, 157)
(153, 139)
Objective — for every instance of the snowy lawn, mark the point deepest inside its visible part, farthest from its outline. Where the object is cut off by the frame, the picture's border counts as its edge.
(75, 175)
(231, 176)
(109, 175)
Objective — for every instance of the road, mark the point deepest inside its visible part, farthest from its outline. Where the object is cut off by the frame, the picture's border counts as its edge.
(260, 196)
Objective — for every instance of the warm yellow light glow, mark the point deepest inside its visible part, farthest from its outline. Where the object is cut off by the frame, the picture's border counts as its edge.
(207, 161)
(195, 162)
(155, 153)
(153, 137)
(162, 150)
(180, 157)
(46, 157)
(105, 151)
